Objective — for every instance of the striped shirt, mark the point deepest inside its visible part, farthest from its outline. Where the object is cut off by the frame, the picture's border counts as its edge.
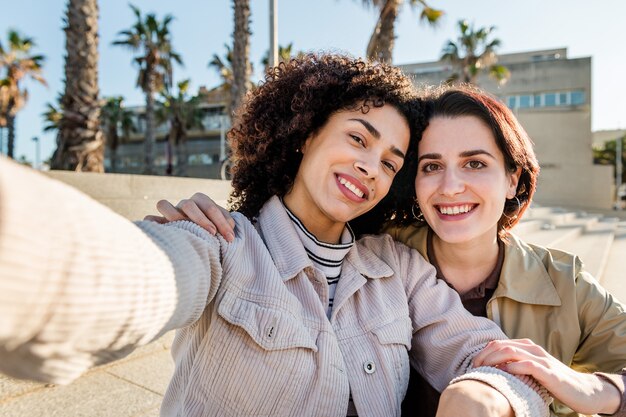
(327, 257)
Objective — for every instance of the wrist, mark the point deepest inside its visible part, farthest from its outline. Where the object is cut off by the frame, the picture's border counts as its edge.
(609, 396)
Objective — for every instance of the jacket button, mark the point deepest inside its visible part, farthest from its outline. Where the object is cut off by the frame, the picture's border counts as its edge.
(369, 367)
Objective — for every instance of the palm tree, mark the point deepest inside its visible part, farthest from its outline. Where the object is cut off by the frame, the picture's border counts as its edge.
(152, 40)
(116, 118)
(19, 63)
(380, 45)
(80, 140)
(52, 117)
(240, 54)
(474, 53)
(285, 53)
(182, 113)
(224, 67)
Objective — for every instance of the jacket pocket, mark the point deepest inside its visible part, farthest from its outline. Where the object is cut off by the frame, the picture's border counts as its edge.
(257, 359)
(395, 340)
(271, 328)
(395, 332)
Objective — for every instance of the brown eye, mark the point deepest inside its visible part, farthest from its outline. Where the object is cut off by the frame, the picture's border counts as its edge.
(389, 166)
(430, 167)
(358, 140)
(475, 165)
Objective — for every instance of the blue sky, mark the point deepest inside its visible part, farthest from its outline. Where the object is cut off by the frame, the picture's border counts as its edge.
(201, 29)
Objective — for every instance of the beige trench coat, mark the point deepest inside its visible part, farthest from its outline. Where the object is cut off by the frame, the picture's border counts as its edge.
(547, 296)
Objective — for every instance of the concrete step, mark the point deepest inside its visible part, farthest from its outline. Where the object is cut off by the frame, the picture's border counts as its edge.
(614, 276)
(553, 215)
(550, 235)
(592, 246)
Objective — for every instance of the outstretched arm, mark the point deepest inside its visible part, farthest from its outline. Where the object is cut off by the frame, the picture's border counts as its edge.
(80, 285)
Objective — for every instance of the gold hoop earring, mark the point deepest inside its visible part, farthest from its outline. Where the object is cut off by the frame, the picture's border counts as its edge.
(419, 217)
(519, 208)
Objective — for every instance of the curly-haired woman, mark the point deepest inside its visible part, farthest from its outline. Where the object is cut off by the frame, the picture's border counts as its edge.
(293, 317)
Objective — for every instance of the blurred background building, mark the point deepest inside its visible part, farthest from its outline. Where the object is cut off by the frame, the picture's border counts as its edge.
(551, 96)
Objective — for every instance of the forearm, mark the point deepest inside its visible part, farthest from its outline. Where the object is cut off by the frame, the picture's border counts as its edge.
(79, 285)
(613, 392)
(473, 399)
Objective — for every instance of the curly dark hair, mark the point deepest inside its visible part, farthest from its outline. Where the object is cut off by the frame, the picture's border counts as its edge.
(295, 101)
(510, 137)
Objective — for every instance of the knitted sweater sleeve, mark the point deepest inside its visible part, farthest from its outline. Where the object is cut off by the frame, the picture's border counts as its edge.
(81, 286)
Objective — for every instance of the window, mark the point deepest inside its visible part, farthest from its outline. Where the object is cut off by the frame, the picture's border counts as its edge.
(577, 98)
(525, 101)
(511, 101)
(549, 99)
(200, 159)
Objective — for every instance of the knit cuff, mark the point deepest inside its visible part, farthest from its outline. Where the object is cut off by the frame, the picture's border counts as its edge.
(619, 381)
(525, 395)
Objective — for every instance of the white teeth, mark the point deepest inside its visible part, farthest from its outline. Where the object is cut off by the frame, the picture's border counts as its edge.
(455, 210)
(351, 187)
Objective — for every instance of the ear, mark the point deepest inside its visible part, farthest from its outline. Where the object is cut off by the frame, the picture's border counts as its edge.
(513, 181)
(305, 145)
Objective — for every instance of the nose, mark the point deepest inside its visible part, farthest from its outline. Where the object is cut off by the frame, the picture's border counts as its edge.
(451, 183)
(366, 167)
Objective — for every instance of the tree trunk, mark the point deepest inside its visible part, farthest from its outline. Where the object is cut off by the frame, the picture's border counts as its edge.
(181, 157)
(148, 145)
(10, 136)
(113, 159)
(380, 46)
(241, 54)
(81, 140)
(113, 140)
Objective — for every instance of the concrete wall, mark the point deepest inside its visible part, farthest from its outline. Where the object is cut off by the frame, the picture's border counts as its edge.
(134, 196)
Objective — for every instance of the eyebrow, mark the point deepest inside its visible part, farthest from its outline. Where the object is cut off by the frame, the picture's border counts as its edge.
(463, 154)
(374, 132)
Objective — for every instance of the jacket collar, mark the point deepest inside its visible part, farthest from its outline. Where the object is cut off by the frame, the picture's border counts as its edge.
(280, 237)
(523, 277)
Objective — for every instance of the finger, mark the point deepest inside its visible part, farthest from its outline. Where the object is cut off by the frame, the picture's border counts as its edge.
(168, 211)
(526, 367)
(506, 352)
(194, 213)
(158, 219)
(526, 345)
(228, 216)
(219, 216)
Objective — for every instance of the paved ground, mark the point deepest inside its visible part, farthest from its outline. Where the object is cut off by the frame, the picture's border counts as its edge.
(130, 387)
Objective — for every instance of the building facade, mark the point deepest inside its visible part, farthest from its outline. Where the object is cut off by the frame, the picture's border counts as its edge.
(551, 96)
(205, 146)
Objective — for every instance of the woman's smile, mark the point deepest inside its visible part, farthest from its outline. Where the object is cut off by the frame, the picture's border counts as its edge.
(352, 188)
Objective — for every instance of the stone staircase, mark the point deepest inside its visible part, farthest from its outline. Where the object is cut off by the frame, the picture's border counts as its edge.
(599, 239)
